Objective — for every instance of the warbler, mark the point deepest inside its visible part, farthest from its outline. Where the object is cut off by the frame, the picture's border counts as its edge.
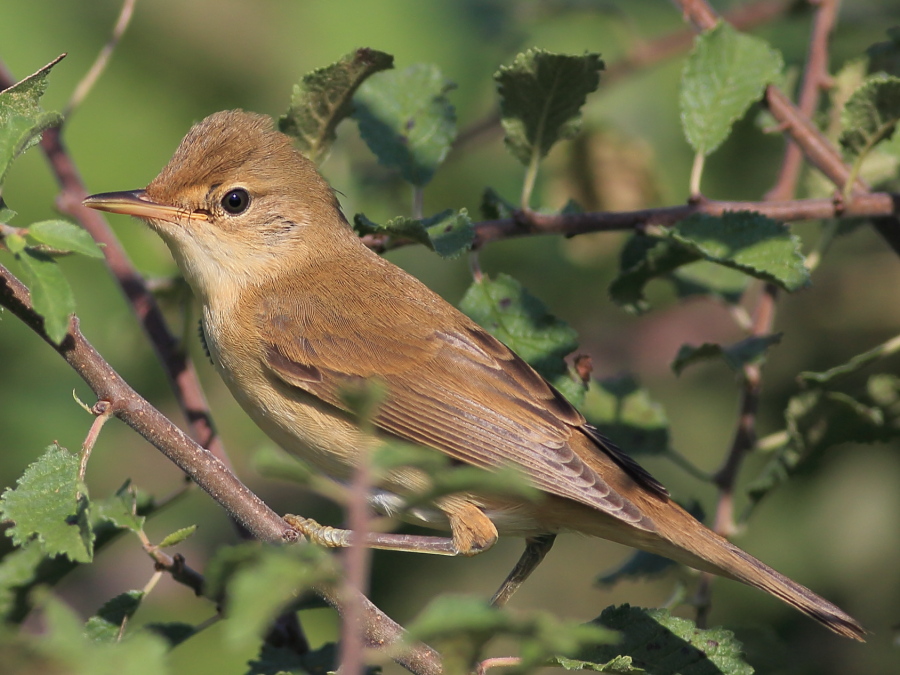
(295, 308)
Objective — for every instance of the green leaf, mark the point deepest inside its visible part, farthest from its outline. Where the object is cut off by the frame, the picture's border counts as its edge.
(173, 632)
(21, 118)
(51, 295)
(871, 114)
(19, 569)
(65, 236)
(748, 242)
(709, 279)
(448, 233)
(121, 509)
(286, 661)
(407, 121)
(644, 258)
(495, 207)
(521, 321)
(640, 565)
(50, 504)
(323, 98)
(724, 74)
(666, 645)
(643, 565)
(736, 356)
(272, 462)
(541, 95)
(6, 213)
(624, 412)
(107, 623)
(177, 536)
(885, 56)
(71, 652)
(463, 624)
(620, 665)
(820, 419)
(261, 582)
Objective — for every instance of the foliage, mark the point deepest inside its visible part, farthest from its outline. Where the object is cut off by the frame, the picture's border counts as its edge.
(54, 525)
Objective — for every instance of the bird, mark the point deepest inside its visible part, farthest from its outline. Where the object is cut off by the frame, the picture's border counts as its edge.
(295, 308)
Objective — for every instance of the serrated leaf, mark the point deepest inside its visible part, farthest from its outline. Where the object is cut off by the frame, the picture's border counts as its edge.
(177, 536)
(65, 236)
(50, 505)
(107, 623)
(120, 509)
(871, 114)
(724, 74)
(407, 121)
(736, 356)
(709, 279)
(21, 118)
(748, 242)
(448, 233)
(620, 665)
(519, 320)
(495, 207)
(51, 295)
(644, 258)
(666, 645)
(323, 98)
(624, 412)
(541, 95)
(6, 213)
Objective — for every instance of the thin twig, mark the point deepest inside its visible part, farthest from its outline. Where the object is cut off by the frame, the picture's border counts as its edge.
(815, 79)
(90, 79)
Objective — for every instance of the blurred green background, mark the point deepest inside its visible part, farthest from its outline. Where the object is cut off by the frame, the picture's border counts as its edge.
(836, 530)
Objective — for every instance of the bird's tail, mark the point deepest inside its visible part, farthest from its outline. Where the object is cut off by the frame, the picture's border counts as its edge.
(690, 542)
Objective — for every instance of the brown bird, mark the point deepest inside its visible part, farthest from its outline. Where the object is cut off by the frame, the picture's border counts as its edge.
(295, 307)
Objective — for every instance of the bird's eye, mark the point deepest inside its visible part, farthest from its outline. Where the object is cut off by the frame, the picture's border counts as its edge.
(236, 201)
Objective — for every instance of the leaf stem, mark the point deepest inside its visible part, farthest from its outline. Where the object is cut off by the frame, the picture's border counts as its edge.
(696, 173)
(530, 179)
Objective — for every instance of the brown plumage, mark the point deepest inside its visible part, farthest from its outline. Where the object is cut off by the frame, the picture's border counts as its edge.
(295, 307)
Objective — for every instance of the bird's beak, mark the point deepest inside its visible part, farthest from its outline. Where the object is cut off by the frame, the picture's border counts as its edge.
(136, 203)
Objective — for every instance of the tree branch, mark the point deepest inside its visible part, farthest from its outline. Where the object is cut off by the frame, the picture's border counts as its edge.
(212, 475)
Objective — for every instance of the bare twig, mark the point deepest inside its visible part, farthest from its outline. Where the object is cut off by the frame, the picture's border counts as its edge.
(201, 465)
(87, 82)
(815, 79)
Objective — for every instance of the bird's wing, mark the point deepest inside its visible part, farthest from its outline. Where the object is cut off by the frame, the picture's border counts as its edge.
(450, 385)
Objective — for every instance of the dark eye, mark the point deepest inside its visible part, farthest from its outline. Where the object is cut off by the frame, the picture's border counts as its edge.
(236, 201)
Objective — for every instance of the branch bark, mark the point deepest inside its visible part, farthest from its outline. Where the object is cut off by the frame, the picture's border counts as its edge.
(211, 474)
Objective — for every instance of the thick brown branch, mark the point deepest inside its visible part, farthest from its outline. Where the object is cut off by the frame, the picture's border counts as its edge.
(200, 464)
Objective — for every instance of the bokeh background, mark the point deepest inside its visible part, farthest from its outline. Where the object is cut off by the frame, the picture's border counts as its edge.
(836, 530)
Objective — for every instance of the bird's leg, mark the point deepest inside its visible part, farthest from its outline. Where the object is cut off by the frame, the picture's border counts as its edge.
(535, 550)
(473, 533)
